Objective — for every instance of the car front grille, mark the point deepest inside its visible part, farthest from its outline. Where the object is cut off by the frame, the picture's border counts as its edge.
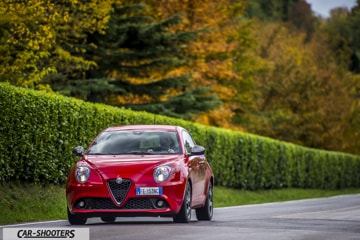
(119, 190)
(131, 203)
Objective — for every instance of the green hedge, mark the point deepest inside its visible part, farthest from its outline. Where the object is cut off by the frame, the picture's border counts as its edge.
(39, 130)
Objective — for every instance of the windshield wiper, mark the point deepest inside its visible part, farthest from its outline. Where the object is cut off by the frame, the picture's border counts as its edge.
(94, 153)
(105, 153)
(140, 152)
(122, 153)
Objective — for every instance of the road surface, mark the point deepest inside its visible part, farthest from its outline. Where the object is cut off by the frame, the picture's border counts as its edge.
(333, 218)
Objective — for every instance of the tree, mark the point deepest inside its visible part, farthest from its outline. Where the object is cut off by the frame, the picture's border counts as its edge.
(355, 38)
(303, 96)
(218, 53)
(337, 34)
(139, 62)
(274, 10)
(25, 41)
(343, 36)
(300, 16)
(37, 37)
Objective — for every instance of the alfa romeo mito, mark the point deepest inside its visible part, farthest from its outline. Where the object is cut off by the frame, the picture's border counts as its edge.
(140, 170)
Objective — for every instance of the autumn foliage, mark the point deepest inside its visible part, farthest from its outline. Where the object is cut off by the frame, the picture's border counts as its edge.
(278, 70)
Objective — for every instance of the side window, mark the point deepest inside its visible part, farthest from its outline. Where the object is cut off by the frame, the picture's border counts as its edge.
(188, 142)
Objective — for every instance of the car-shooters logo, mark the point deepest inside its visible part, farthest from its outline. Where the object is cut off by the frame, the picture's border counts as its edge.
(46, 233)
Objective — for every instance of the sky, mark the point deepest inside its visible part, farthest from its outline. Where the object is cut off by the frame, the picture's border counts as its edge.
(323, 7)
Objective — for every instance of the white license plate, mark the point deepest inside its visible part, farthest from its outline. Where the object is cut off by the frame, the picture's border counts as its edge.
(148, 191)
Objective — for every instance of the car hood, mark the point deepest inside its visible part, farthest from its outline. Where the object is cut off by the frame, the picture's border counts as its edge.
(126, 165)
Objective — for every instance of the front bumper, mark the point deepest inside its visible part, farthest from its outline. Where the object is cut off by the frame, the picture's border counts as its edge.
(106, 198)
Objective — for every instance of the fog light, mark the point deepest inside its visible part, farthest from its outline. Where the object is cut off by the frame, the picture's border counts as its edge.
(160, 203)
(81, 204)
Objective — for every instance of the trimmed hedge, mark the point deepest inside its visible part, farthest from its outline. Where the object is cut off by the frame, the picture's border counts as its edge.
(39, 130)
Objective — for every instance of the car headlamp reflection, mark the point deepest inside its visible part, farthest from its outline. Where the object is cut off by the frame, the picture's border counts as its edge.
(162, 173)
(82, 174)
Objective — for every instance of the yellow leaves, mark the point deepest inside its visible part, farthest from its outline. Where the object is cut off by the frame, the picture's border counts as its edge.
(225, 93)
(33, 30)
(92, 15)
(131, 98)
(73, 61)
(218, 51)
(218, 117)
(65, 17)
(300, 90)
(28, 39)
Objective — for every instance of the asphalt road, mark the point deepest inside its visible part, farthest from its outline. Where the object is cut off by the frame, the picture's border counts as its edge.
(334, 218)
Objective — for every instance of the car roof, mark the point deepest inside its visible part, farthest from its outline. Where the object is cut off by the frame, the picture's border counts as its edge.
(144, 127)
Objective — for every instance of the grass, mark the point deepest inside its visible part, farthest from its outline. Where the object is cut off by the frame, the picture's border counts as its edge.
(27, 203)
(224, 197)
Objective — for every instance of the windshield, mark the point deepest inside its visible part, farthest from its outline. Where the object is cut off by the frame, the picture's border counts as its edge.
(135, 142)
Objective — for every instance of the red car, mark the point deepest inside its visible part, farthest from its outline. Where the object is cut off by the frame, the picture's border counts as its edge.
(140, 170)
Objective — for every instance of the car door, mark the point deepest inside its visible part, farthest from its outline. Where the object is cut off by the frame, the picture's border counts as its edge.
(197, 170)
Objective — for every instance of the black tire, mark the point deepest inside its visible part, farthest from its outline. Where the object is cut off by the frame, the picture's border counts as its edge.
(75, 220)
(184, 216)
(108, 219)
(205, 213)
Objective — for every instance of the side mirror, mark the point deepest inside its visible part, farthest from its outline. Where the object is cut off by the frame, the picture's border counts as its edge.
(197, 150)
(78, 151)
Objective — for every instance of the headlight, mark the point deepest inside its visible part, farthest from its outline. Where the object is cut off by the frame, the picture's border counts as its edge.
(82, 174)
(162, 173)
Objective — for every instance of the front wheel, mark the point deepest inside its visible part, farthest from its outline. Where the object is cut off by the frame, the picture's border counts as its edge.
(184, 216)
(206, 212)
(75, 219)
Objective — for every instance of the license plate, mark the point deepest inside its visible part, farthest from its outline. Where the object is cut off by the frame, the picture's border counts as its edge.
(148, 191)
